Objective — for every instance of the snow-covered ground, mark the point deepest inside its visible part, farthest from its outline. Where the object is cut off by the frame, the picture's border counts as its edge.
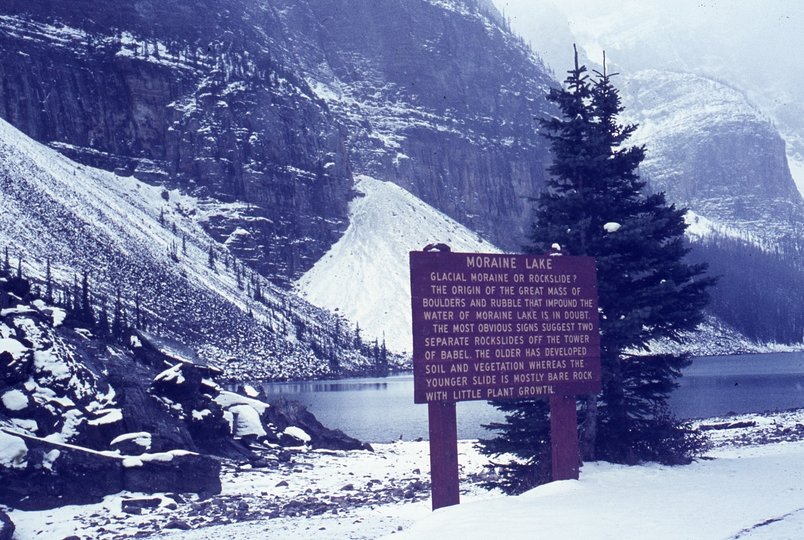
(750, 485)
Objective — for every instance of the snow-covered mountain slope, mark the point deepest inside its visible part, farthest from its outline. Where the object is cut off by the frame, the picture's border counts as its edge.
(277, 103)
(366, 274)
(711, 150)
(146, 245)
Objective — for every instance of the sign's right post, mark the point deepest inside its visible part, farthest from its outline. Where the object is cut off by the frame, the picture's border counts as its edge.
(564, 437)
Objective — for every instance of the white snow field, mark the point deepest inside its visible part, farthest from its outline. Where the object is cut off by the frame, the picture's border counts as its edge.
(365, 276)
(749, 486)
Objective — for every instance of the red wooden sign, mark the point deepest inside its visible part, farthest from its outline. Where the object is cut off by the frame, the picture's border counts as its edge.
(495, 326)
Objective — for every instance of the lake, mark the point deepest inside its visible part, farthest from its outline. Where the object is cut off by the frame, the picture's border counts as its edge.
(382, 409)
(719, 385)
(379, 409)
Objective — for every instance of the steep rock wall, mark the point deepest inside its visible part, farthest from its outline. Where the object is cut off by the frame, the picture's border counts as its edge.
(710, 149)
(221, 117)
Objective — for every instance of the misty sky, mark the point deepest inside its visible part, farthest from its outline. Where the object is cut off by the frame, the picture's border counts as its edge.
(754, 45)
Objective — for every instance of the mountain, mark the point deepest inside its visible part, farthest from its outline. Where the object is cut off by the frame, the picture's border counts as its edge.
(717, 102)
(437, 97)
(710, 149)
(365, 276)
(230, 133)
(744, 43)
(249, 125)
(175, 94)
(276, 104)
(144, 247)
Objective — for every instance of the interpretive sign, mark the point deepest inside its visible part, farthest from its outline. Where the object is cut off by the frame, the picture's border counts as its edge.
(496, 326)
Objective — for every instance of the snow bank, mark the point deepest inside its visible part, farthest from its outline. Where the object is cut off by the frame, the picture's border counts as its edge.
(141, 438)
(246, 421)
(737, 493)
(228, 399)
(13, 347)
(14, 400)
(297, 433)
(110, 416)
(171, 374)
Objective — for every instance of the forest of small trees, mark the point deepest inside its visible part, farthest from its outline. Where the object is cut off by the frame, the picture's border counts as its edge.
(112, 319)
(759, 292)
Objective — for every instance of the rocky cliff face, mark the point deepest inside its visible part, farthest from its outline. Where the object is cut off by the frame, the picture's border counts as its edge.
(142, 249)
(438, 98)
(710, 149)
(276, 103)
(192, 105)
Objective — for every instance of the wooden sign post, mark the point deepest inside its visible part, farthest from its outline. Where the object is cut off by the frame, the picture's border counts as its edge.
(497, 326)
(443, 454)
(564, 437)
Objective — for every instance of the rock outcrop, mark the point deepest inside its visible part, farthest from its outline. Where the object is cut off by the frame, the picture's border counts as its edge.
(81, 417)
(711, 150)
(6, 527)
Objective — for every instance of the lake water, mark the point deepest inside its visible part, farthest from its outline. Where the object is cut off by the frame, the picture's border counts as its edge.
(382, 409)
(379, 409)
(719, 385)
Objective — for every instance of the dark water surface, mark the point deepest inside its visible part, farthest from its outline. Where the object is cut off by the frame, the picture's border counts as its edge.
(382, 409)
(719, 385)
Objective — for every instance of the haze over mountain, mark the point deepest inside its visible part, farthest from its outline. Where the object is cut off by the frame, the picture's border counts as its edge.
(746, 44)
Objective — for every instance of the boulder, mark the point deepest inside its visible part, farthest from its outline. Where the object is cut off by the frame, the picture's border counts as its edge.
(56, 475)
(6, 527)
(179, 383)
(15, 370)
(177, 471)
(145, 412)
(50, 474)
(287, 414)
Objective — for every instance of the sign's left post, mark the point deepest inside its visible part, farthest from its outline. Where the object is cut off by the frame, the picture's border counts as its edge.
(443, 454)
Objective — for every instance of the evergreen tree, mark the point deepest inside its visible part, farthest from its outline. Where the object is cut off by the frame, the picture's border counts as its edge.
(76, 304)
(48, 284)
(211, 257)
(173, 251)
(595, 205)
(85, 310)
(383, 358)
(67, 300)
(118, 319)
(138, 322)
(257, 291)
(102, 328)
(358, 341)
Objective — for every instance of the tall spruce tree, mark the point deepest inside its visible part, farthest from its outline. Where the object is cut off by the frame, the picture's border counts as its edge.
(596, 205)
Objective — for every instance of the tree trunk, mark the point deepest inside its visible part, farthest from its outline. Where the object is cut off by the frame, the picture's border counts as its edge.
(588, 429)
